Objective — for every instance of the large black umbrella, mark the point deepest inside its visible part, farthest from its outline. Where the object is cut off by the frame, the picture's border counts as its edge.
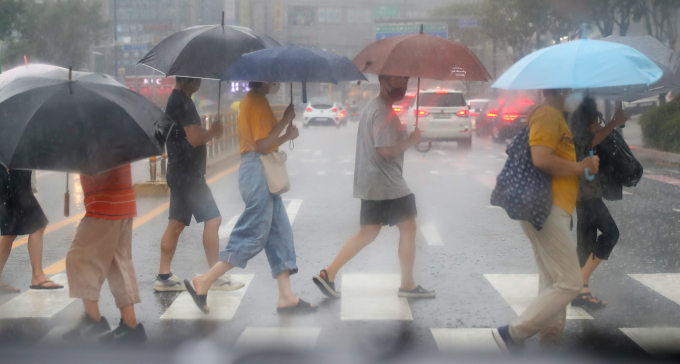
(204, 51)
(664, 57)
(85, 123)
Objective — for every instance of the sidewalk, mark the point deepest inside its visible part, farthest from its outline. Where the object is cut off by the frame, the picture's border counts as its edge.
(632, 133)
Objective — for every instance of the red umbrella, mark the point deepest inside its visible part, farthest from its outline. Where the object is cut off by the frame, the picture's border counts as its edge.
(422, 56)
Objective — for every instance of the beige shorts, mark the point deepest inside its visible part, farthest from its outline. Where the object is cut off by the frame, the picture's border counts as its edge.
(102, 249)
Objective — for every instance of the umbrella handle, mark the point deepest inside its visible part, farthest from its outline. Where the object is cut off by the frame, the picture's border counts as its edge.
(588, 176)
(424, 150)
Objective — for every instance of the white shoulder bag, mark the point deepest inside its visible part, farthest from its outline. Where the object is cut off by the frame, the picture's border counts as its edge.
(274, 164)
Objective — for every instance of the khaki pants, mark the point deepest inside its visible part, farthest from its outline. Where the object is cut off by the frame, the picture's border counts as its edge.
(560, 279)
(102, 249)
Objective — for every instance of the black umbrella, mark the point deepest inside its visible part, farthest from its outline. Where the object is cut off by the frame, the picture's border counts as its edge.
(85, 123)
(204, 51)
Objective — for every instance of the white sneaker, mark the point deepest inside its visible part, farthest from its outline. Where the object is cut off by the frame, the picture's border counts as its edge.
(224, 283)
(172, 284)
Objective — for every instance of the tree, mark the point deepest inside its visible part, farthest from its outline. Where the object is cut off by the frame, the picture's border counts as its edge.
(10, 11)
(608, 13)
(661, 19)
(57, 33)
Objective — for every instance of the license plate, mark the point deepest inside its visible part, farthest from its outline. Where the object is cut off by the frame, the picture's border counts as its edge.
(441, 116)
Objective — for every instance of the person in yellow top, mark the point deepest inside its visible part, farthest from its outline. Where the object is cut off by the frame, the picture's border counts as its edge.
(552, 151)
(264, 223)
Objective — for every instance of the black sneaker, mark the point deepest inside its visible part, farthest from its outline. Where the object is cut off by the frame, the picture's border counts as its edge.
(125, 334)
(507, 345)
(87, 328)
(418, 292)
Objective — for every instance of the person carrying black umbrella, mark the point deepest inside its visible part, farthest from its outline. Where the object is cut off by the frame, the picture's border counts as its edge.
(189, 192)
(591, 212)
(21, 214)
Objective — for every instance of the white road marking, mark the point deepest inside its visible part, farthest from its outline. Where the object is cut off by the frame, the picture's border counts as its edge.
(318, 152)
(225, 230)
(292, 173)
(519, 290)
(489, 172)
(35, 303)
(666, 284)
(223, 304)
(373, 297)
(465, 340)
(440, 152)
(349, 173)
(494, 207)
(487, 180)
(309, 160)
(346, 161)
(41, 174)
(655, 340)
(434, 172)
(292, 209)
(321, 173)
(325, 160)
(676, 210)
(430, 233)
(289, 338)
(627, 193)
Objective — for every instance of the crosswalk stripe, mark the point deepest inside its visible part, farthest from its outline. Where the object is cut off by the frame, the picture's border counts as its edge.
(655, 340)
(430, 234)
(465, 340)
(321, 173)
(487, 180)
(225, 230)
(38, 303)
(292, 209)
(223, 304)
(519, 290)
(666, 284)
(373, 297)
(50, 228)
(290, 338)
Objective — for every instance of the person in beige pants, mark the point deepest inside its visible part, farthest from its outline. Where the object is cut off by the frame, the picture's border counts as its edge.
(552, 151)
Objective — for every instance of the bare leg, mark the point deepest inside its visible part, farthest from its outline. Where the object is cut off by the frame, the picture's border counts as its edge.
(211, 240)
(35, 252)
(5, 248)
(286, 296)
(169, 244)
(202, 282)
(92, 309)
(353, 245)
(127, 314)
(407, 252)
(588, 270)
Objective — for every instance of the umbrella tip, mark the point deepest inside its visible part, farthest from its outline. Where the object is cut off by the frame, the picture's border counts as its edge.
(585, 32)
(70, 70)
(223, 19)
(421, 29)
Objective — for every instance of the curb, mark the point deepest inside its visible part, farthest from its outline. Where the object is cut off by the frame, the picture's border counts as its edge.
(657, 156)
(160, 188)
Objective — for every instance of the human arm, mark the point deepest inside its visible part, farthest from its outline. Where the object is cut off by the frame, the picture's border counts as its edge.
(198, 135)
(545, 160)
(274, 136)
(401, 146)
(600, 133)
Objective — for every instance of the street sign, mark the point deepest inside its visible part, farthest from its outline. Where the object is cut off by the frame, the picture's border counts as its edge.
(139, 47)
(392, 30)
(467, 23)
(386, 12)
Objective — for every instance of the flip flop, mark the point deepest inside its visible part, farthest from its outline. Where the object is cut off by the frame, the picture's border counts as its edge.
(6, 288)
(41, 285)
(301, 307)
(199, 299)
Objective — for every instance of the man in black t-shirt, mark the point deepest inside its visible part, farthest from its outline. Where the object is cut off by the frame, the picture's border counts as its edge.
(189, 192)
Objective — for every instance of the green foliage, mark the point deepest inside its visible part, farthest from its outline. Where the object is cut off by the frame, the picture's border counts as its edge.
(10, 11)
(661, 127)
(57, 33)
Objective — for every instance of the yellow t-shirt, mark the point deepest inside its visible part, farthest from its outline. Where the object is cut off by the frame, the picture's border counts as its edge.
(549, 129)
(255, 121)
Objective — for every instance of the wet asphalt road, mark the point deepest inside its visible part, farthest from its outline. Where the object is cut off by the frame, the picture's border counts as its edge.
(461, 240)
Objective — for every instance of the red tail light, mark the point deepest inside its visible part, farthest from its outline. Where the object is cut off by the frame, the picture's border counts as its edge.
(474, 114)
(441, 92)
(463, 113)
(309, 109)
(421, 112)
(397, 109)
(342, 113)
(492, 114)
(335, 109)
(510, 117)
(524, 102)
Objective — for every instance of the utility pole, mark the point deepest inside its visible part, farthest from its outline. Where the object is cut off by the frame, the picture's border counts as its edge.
(115, 39)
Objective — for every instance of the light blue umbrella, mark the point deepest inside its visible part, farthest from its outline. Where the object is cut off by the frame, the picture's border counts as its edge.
(580, 64)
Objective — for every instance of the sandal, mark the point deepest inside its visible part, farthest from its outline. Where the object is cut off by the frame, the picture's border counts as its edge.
(6, 288)
(586, 299)
(418, 292)
(199, 299)
(327, 287)
(301, 307)
(42, 285)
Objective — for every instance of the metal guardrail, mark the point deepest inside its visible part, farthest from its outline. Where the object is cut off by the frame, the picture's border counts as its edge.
(224, 146)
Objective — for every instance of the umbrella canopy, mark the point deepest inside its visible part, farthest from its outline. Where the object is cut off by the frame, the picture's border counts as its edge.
(580, 64)
(291, 63)
(667, 59)
(423, 56)
(87, 125)
(204, 51)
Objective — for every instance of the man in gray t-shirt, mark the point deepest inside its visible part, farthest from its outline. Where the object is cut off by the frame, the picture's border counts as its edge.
(378, 182)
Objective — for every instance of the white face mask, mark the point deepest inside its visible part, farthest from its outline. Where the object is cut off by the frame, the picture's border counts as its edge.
(573, 101)
(274, 88)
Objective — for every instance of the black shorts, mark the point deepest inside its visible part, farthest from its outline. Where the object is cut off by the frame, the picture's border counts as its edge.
(192, 198)
(20, 212)
(388, 212)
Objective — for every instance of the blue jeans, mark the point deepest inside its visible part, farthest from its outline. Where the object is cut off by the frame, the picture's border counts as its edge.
(263, 225)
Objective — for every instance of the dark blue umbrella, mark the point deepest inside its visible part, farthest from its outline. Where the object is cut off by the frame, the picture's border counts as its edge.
(291, 63)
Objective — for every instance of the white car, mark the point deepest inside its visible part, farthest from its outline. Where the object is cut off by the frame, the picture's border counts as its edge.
(443, 116)
(476, 106)
(324, 113)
